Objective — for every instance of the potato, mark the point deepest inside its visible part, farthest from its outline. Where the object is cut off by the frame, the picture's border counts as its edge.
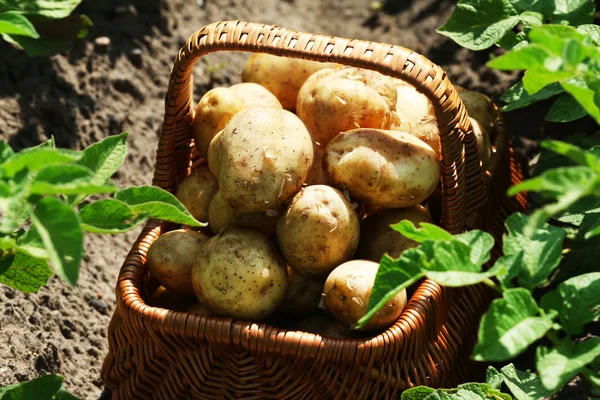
(379, 238)
(261, 158)
(323, 325)
(171, 256)
(196, 191)
(317, 175)
(168, 300)
(282, 76)
(255, 95)
(198, 308)
(221, 215)
(303, 295)
(213, 112)
(318, 231)
(414, 114)
(484, 145)
(481, 108)
(240, 274)
(331, 102)
(347, 292)
(381, 167)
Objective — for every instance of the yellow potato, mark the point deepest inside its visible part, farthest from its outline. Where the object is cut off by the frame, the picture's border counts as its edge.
(318, 231)
(221, 215)
(282, 76)
(377, 237)
(383, 168)
(213, 112)
(240, 274)
(332, 101)
(261, 158)
(196, 191)
(481, 108)
(171, 256)
(347, 292)
(414, 114)
(255, 95)
(303, 295)
(483, 142)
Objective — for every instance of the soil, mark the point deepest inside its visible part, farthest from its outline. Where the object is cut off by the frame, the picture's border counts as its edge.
(92, 91)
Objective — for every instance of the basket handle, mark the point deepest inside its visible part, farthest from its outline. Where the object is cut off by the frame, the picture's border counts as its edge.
(462, 174)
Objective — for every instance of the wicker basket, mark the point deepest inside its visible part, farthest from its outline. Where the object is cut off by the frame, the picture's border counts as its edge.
(155, 353)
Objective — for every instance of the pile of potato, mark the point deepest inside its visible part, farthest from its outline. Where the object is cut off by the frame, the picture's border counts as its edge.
(306, 167)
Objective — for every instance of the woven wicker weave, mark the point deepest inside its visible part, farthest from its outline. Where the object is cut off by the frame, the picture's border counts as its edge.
(156, 353)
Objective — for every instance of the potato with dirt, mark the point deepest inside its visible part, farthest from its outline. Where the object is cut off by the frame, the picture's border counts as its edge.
(333, 101)
(282, 76)
(348, 290)
(378, 237)
(196, 191)
(171, 257)
(382, 167)
(261, 158)
(303, 295)
(239, 273)
(318, 231)
(221, 215)
(414, 114)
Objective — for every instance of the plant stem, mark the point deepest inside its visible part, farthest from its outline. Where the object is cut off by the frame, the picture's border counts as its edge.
(493, 285)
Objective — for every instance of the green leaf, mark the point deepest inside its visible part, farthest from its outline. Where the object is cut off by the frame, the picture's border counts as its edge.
(535, 79)
(392, 277)
(554, 37)
(582, 258)
(531, 19)
(37, 158)
(417, 393)
(493, 377)
(24, 272)
(63, 394)
(105, 157)
(32, 243)
(585, 95)
(523, 385)
(541, 252)
(5, 151)
(43, 387)
(16, 24)
(481, 244)
(592, 31)
(594, 230)
(425, 232)
(517, 97)
(577, 301)
(479, 24)
(440, 395)
(510, 326)
(576, 12)
(511, 265)
(68, 180)
(109, 216)
(565, 109)
(573, 152)
(524, 58)
(59, 227)
(48, 8)
(559, 365)
(157, 204)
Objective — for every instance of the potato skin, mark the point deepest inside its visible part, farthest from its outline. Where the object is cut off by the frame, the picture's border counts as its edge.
(196, 191)
(318, 231)
(261, 158)
(331, 102)
(221, 215)
(213, 112)
(481, 108)
(171, 256)
(255, 96)
(282, 76)
(383, 168)
(303, 295)
(380, 238)
(414, 114)
(483, 142)
(240, 274)
(347, 292)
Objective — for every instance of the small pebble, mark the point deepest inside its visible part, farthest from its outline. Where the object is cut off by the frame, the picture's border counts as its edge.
(102, 43)
(136, 57)
(99, 306)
